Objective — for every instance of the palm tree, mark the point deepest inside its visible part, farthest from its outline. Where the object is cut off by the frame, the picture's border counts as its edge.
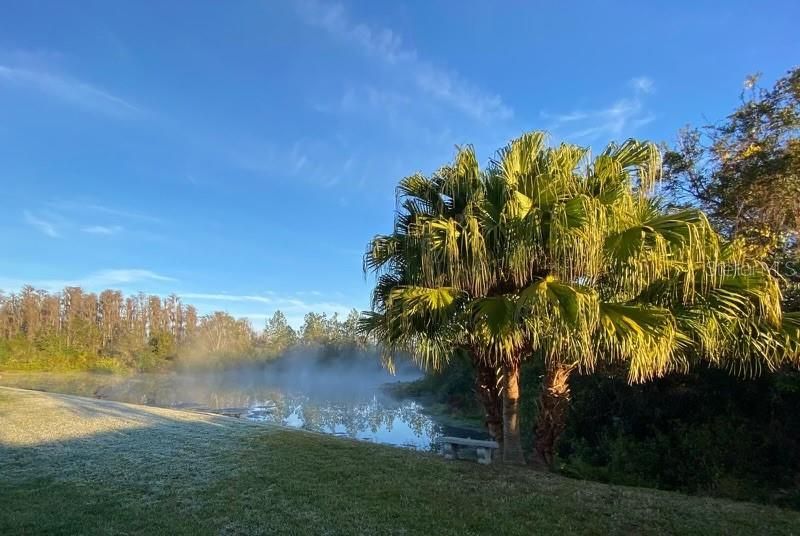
(549, 253)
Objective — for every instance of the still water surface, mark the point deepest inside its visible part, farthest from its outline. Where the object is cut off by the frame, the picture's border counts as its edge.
(340, 404)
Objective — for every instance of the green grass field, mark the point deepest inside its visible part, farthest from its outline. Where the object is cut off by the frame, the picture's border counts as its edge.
(73, 465)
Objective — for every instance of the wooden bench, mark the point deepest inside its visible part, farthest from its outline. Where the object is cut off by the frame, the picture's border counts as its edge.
(484, 449)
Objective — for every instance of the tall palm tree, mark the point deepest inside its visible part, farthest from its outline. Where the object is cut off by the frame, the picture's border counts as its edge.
(550, 253)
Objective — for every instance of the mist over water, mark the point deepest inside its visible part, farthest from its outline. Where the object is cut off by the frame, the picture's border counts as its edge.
(314, 373)
(305, 389)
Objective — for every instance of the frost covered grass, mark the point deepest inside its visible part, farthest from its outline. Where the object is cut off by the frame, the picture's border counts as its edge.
(73, 465)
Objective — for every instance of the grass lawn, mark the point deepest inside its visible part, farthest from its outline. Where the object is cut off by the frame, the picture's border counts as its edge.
(71, 465)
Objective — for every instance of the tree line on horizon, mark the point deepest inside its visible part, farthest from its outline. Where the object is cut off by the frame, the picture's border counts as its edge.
(75, 329)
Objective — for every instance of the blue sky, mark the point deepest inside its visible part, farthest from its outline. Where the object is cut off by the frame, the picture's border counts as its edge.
(241, 154)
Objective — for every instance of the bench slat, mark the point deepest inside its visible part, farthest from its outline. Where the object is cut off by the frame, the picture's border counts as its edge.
(468, 442)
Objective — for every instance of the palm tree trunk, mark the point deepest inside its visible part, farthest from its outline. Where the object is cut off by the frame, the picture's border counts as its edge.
(488, 392)
(512, 442)
(553, 407)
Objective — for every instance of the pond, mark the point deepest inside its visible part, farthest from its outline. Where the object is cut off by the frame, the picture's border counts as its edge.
(358, 407)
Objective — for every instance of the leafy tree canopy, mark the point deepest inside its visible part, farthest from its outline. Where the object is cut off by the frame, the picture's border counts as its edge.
(745, 170)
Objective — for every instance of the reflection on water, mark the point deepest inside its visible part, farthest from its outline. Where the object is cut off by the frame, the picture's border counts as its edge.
(345, 406)
(380, 419)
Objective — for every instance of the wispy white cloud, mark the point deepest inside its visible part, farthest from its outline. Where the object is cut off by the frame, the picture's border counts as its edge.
(217, 297)
(126, 275)
(264, 157)
(461, 94)
(321, 162)
(66, 217)
(619, 119)
(102, 229)
(70, 90)
(293, 301)
(393, 112)
(568, 117)
(643, 84)
(43, 225)
(98, 280)
(82, 207)
(355, 99)
(310, 293)
(387, 46)
(381, 43)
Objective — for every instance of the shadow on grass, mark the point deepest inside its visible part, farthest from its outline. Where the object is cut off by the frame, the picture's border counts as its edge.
(170, 473)
(71, 465)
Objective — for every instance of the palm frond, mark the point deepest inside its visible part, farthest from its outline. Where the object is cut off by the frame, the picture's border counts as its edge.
(548, 252)
(645, 337)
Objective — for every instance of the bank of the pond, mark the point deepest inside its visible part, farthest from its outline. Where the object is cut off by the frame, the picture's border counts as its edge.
(331, 402)
(74, 465)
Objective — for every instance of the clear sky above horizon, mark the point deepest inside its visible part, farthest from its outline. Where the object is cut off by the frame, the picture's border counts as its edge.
(241, 154)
